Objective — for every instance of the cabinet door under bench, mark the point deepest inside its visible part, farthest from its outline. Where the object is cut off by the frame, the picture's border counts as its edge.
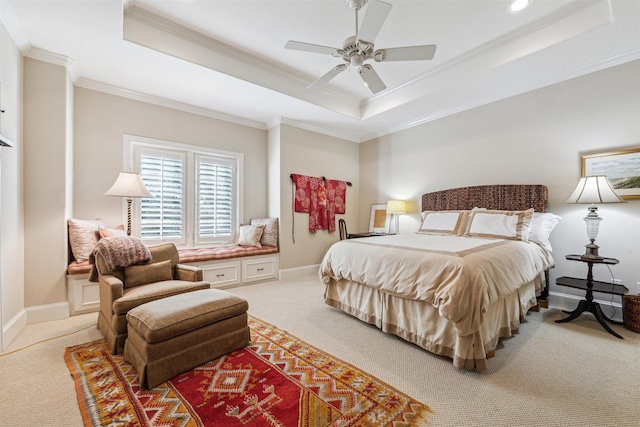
(221, 274)
(237, 271)
(83, 295)
(259, 268)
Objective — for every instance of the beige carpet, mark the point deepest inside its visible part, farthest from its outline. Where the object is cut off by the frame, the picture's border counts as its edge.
(548, 374)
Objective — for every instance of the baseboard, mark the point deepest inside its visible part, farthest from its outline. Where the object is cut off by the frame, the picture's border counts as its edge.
(300, 272)
(13, 327)
(570, 302)
(47, 313)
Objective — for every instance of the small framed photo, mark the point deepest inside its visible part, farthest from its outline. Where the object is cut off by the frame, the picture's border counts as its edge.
(622, 168)
(379, 220)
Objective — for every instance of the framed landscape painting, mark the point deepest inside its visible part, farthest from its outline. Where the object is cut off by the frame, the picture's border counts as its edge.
(378, 222)
(622, 168)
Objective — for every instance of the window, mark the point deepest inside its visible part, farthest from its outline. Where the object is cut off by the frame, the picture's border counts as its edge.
(196, 192)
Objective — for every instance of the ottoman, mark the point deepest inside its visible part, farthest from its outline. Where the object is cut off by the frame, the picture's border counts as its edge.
(169, 336)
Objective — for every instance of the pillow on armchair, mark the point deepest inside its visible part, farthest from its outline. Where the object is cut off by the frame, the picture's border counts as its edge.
(136, 275)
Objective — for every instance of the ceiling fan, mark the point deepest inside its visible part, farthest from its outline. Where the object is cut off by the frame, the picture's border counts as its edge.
(359, 48)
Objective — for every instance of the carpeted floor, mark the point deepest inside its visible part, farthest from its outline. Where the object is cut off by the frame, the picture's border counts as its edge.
(277, 380)
(548, 374)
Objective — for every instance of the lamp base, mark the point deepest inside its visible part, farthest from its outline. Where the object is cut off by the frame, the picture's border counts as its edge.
(592, 252)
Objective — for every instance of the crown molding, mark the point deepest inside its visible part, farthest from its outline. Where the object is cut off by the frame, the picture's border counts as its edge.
(152, 31)
(163, 102)
(55, 59)
(14, 27)
(309, 127)
(566, 75)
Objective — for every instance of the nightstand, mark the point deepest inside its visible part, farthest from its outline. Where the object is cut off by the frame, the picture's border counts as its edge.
(367, 234)
(590, 286)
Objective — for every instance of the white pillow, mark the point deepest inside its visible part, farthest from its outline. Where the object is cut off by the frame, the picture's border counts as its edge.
(250, 235)
(512, 225)
(542, 224)
(443, 222)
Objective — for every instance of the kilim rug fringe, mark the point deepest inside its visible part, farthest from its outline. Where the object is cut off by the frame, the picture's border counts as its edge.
(278, 380)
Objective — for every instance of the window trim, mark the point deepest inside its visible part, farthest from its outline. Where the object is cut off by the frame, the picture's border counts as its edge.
(131, 163)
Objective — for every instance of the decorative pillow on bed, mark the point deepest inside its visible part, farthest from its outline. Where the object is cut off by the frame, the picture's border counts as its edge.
(542, 224)
(512, 225)
(443, 222)
(250, 235)
(270, 233)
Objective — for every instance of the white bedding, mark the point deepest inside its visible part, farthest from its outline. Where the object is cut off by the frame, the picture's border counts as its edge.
(460, 276)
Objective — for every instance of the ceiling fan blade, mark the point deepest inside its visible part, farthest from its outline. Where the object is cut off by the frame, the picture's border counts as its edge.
(374, 17)
(327, 77)
(407, 53)
(309, 47)
(371, 78)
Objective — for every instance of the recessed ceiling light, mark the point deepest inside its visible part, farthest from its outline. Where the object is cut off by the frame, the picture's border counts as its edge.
(519, 5)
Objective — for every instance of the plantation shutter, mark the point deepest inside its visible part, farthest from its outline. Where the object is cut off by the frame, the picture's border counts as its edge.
(162, 217)
(216, 188)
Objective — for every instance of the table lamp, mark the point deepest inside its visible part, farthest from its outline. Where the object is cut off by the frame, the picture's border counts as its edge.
(128, 185)
(593, 189)
(395, 208)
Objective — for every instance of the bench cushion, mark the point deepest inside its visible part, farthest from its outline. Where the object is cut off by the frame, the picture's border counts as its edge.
(166, 318)
(79, 267)
(223, 252)
(192, 255)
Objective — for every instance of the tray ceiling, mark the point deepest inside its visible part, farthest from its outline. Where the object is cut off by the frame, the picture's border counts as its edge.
(227, 59)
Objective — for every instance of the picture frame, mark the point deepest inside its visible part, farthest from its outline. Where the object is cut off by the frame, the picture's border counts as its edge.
(379, 219)
(622, 168)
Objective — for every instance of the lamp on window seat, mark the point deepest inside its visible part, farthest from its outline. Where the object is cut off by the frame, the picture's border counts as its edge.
(593, 189)
(395, 208)
(128, 185)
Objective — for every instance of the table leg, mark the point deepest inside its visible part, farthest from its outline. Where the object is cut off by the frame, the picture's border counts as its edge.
(608, 319)
(593, 308)
(582, 307)
(597, 312)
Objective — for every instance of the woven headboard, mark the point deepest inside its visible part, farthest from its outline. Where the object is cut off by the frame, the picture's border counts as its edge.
(504, 197)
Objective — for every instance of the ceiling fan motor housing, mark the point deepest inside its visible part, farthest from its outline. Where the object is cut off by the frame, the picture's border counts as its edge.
(356, 4)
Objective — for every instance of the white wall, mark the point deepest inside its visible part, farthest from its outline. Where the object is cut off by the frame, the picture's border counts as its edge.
(101, 120)
(534, 138)
(47, 136)
(308, 153)
(12, 317)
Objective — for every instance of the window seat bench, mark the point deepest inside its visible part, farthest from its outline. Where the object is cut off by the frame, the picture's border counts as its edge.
(223, 267)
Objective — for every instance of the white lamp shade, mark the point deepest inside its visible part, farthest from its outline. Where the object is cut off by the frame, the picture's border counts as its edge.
(128, 184)
(594, 189)
(396, 206)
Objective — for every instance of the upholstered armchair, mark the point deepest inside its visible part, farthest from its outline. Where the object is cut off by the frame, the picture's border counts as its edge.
(123, 289)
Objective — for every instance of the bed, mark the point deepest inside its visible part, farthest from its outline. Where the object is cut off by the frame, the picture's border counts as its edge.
(457, 286)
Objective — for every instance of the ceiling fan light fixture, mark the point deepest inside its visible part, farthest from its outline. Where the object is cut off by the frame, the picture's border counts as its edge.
(519, 5)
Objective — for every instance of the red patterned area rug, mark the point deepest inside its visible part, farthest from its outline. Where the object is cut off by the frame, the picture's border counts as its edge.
(278, 380)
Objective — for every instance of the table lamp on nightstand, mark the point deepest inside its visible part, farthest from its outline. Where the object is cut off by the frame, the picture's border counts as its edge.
(593, 189)
(395, 208)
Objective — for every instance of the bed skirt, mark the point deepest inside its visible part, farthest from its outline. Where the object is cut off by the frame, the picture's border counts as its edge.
(420, 323)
